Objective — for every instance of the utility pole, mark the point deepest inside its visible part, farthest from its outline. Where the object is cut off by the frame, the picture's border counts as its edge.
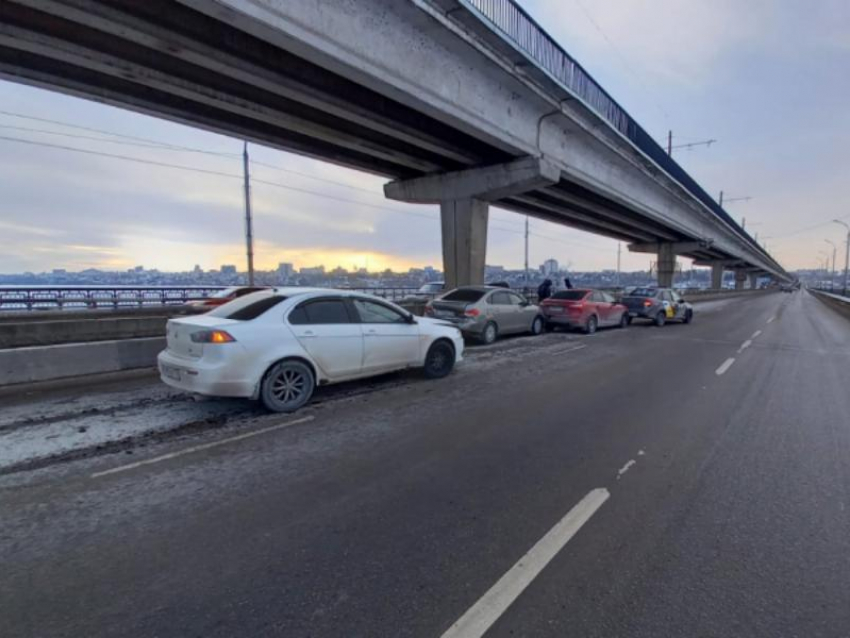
(249, 230)
(619, 247)
(526, 251)
(847, 254)
(832, 276)
(670, 143)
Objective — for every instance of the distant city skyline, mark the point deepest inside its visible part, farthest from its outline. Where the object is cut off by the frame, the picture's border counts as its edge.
(719, 70)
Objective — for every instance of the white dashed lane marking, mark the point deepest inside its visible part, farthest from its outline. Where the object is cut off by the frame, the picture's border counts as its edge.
(725, 366)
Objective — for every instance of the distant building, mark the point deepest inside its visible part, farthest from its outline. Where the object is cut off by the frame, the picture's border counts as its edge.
(549, 267)
(315, 271)
(227, 269)
(285, 271)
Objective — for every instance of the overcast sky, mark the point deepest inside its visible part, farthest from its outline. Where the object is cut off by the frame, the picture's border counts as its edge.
(768, 79)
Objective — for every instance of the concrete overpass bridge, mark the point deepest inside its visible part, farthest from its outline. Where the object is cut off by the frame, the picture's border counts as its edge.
(464, 103)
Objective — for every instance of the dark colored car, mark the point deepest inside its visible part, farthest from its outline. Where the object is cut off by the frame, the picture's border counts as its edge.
(659, 305)
(585, 309)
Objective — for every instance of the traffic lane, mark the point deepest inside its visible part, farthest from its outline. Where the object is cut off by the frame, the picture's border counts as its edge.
(752, 539)
(54, 428)
(406, 509)
(44, 423)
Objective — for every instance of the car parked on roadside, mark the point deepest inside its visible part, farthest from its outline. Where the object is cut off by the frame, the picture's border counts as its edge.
(277, 345)
(485, 312)
(659, 305)
(224, 296)
(585, 309)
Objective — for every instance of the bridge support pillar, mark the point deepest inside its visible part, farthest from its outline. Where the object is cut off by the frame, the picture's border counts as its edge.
(666, 265)
(464, 229)
(717, 276)
(740, 278)
(463, 197)
(754, 280)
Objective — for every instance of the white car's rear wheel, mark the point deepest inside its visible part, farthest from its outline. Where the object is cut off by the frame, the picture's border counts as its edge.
(287, 386)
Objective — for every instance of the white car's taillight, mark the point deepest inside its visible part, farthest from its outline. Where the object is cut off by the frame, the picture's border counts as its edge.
(212, 336)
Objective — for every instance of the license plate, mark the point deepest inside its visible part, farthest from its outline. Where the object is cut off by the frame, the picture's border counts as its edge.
(171, 373)
(446, 314)
(554, 311)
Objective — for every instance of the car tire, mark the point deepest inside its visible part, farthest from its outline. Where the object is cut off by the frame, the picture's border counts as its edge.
(660, 318)
(624, 320)
(591, 325)
(689, 316)
(537, 326)
(287, 386)
(439, 361)
(490, 333)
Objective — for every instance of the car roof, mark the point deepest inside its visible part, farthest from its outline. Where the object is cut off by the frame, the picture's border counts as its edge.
(481, 288)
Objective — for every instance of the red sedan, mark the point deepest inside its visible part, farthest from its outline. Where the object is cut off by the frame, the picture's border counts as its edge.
(585, 309)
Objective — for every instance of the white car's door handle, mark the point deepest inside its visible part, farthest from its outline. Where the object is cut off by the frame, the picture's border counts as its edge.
(371, 333)
(307, 334)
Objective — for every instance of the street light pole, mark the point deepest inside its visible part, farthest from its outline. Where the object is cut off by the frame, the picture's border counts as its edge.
(847, 254)
(832, 276)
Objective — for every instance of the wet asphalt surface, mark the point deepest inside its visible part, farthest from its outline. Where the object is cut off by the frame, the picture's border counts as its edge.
(400, 501)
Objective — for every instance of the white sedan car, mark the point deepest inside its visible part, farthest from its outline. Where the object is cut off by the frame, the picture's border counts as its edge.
(278, 344)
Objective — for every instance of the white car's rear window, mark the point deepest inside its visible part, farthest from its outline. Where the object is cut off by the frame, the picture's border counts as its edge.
(247, 307)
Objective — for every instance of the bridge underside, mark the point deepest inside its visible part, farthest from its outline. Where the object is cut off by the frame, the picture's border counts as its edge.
(163, 58)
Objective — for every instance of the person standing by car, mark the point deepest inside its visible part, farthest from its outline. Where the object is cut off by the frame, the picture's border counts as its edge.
(568, 283)
(544, 290)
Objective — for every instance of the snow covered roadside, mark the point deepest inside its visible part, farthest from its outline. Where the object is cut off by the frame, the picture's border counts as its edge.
(58, 426)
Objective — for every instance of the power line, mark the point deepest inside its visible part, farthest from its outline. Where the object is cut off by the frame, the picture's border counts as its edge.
(101, 131)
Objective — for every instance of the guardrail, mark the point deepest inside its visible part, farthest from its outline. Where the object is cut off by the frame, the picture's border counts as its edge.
(18, 298)
(529, 37)
(92, 297)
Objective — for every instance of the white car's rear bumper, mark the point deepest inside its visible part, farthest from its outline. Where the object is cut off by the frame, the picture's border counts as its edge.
(202, 378)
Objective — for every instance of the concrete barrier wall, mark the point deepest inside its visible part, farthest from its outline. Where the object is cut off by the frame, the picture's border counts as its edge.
(43, 363)
(836, 302)
(42, 333)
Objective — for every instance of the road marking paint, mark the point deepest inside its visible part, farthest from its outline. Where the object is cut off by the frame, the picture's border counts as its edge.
(200, 448)
(725, 366)
(771, 319)
(641, 453)
(569, 349)
(756, 334)
(745, 345)
(481, 616)
(625, 468)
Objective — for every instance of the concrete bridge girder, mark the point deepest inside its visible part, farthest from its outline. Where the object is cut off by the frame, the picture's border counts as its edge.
(464, 198)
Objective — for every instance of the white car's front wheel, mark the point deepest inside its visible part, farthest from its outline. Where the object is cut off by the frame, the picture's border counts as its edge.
(287, 386)
(440, 360)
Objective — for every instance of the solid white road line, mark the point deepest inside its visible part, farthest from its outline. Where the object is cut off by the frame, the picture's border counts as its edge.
(725, 366)
(199, 448)
(756, 334)
(771, 319)
(745, 345)
(625, 468)
(568, 349)
(507, 589)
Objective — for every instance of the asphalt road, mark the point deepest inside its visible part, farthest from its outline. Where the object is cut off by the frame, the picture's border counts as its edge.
(716, 500)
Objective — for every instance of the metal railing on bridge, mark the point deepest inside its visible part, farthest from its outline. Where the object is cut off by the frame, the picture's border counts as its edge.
(521, 29)
(22, 298)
